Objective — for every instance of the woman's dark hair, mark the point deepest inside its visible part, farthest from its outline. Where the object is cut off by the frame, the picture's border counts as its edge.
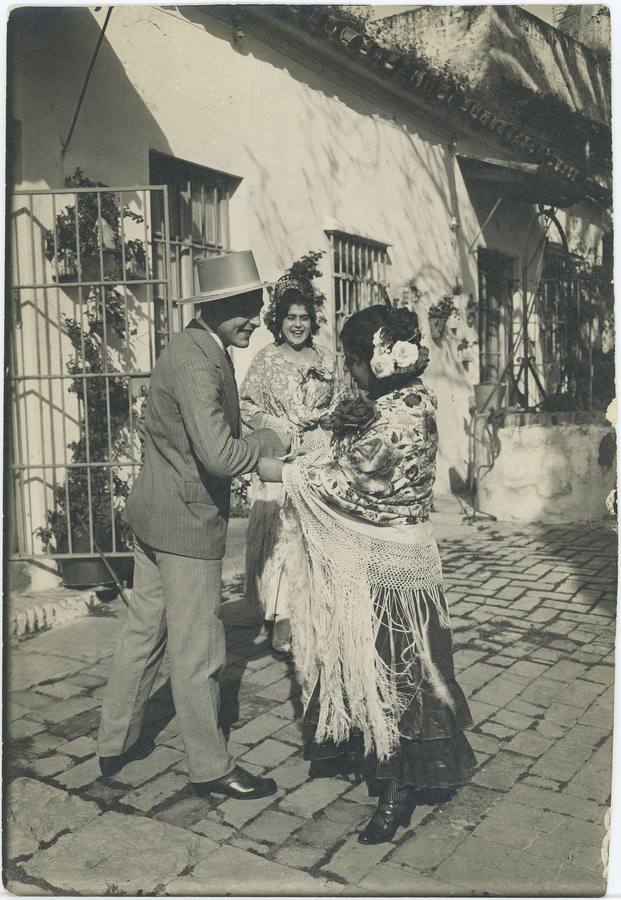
(401, 325)
(358, 331)
(278, 312)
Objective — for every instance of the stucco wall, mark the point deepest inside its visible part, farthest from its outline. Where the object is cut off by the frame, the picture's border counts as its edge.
(549, 472)
(313, 146)
(489, 42)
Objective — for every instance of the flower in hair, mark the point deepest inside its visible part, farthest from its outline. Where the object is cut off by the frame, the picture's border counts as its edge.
(389, 358)
(382, 365)
(404, 354)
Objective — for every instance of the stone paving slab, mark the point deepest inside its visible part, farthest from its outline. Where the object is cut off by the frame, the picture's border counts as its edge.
(36, 813)
(131, 854)
(231, 871)
(535, 661)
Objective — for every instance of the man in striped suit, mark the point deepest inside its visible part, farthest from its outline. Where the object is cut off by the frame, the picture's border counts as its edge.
(178, 510)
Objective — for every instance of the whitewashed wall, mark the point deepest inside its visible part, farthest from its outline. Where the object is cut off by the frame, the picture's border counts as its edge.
(312, 146)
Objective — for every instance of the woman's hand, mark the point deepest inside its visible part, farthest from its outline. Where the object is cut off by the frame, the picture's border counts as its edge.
(269, 469)
(294, 454)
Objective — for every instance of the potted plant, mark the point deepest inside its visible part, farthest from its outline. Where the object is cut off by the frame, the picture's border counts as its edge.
(94, 493)
(489, 395)
(439, 314)
(465, 350)
(98, 232)
(100, 495)
(472, 312)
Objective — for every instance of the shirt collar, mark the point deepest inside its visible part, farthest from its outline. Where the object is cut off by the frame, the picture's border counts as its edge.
(213, 335)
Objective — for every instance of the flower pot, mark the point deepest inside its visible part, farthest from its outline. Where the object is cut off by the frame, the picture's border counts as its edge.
(436, 328)
(64, 271)
(488, 395)
(90, 571)
(453, 322)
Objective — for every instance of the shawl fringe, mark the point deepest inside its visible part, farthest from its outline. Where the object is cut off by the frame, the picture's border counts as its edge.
(345, 584)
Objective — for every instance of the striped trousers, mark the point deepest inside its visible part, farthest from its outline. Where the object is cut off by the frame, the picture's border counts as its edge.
(175, 602)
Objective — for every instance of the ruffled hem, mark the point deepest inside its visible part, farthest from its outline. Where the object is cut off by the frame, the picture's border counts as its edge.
(443, 763)
(427, 719)
(423, 765)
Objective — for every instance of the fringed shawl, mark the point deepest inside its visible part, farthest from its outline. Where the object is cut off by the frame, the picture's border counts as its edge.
(346, 579)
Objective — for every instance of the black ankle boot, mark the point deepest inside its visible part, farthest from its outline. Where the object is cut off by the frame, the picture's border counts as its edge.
(395, 808)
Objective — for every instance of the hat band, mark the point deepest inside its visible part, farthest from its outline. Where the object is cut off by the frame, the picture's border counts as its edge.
(248, 285)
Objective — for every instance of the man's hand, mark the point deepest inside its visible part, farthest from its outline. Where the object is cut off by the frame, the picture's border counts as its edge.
(269, 469)
(272, 443)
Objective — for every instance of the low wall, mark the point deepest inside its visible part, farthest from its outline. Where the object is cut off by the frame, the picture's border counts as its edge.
(549, 467)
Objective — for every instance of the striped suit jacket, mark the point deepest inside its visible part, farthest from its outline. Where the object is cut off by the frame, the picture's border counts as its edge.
(179, 502)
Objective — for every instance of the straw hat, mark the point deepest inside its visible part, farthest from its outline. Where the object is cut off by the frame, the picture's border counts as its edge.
(225, 276)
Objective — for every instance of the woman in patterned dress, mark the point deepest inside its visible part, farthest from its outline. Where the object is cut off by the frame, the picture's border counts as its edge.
(291, 388)
(371, 633)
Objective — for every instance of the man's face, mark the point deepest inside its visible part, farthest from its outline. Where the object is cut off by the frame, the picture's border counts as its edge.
(238, 317)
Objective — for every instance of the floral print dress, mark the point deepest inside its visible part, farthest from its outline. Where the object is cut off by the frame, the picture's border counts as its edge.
(382, 474)
(290, 399)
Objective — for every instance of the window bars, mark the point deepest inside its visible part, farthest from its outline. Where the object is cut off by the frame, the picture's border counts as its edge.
(568, 321)
(359, 278)
(496, 285)
(81, 348)
(198, 212)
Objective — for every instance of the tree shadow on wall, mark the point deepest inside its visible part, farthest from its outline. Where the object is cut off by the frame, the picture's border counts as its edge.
(416, 155)
(49, 52)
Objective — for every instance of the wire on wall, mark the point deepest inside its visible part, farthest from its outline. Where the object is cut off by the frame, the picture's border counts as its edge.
(86, 80)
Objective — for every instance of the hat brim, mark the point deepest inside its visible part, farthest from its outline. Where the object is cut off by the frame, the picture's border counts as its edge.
(211, 296)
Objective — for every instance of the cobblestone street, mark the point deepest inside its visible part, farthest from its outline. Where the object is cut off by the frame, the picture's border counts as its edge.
(533, 612)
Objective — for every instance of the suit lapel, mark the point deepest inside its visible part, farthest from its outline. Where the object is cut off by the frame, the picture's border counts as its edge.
(213, 350)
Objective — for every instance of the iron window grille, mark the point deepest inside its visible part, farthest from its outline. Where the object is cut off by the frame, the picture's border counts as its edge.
(567, 325)
(198, 213)
(359, 267)
(496, 285)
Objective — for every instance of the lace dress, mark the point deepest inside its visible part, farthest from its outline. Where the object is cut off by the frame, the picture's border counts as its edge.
(290, 399)
(371, 631)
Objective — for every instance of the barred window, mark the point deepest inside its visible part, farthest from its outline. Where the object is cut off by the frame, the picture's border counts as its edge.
(359, 273)
(495, 313)
(198, 216)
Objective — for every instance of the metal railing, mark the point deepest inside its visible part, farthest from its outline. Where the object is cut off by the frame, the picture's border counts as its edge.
(87, 300)
(359, 280)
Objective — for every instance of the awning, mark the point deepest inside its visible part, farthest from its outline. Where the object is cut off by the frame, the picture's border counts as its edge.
(528, 182)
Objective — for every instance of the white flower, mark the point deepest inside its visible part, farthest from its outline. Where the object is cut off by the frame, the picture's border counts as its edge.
(404, 354)
(377, 337)
(611, 413)
(382, 364)
(611, 502)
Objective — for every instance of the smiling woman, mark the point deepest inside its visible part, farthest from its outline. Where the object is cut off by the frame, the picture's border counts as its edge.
(292, 386)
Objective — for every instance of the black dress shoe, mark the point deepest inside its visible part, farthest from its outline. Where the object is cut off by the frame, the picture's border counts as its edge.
(394, 809)
(111, 765)
(238, 784)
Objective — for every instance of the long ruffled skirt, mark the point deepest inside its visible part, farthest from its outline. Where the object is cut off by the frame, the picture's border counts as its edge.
(433, 751)
(267, 585)
(266, 580)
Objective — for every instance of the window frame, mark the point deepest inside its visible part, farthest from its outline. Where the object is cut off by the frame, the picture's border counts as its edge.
(351, 289)
(501, 266)
(189, 242)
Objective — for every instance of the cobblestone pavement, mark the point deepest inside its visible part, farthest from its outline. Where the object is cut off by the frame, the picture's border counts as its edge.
(533, 613)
